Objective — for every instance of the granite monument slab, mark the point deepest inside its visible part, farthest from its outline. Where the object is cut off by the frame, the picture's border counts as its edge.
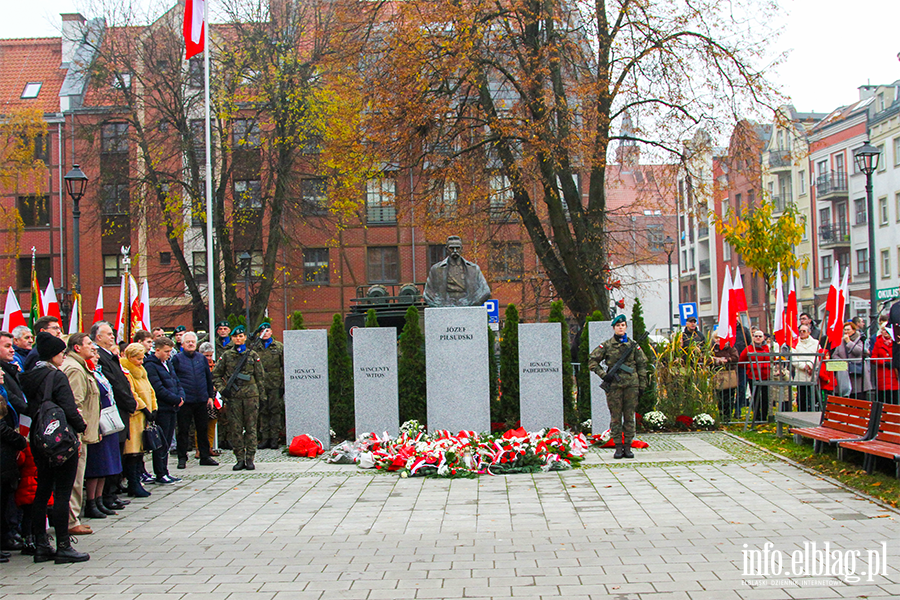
(375, 390)
(306, 384)
(540, 376)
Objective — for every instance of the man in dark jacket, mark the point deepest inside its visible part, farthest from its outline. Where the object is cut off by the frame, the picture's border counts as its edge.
(108, 351)
(51, 326)
(196, 382)
(11, 442)
(23, 342)
(169, 398)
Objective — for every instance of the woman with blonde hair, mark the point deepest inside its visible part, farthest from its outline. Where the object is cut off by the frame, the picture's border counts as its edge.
(132, 361)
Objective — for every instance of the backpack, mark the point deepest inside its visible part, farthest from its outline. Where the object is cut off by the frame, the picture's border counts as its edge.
(51, 434)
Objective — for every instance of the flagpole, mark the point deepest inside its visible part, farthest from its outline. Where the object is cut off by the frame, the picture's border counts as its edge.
(210, 271)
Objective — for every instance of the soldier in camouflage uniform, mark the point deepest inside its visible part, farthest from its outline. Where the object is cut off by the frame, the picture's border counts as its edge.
(271, 403)
(243, 400)
(222, 341)
(623, 395)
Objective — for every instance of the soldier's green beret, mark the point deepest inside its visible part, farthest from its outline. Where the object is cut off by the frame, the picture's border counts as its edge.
(223, 324)
(618, 319)
(179, 329)
(238, 329)
(265, 325)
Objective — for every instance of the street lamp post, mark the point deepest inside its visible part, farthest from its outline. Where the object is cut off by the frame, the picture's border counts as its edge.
(669, 247)
(76, 182)
(245, 265)
(866, 159)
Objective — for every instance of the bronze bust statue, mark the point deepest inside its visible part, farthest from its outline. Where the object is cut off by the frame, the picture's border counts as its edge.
(456, 281)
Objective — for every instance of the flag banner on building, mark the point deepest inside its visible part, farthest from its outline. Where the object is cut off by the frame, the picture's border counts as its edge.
(50, 303)
(98, 311)
(194, 27)
(75, 324)
(36, 311)
(738, 300)
(12, 313)
(791, 316)
(779, 331)
(727, 318)
(144, 305)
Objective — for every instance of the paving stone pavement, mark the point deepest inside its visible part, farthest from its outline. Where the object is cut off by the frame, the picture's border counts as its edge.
(678, 522)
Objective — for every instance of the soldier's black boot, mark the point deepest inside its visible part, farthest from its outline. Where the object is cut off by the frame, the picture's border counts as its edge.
(65, 553)
(239, 466)
(248, 464)
(626, 451)
(620, 451)
(43, 551)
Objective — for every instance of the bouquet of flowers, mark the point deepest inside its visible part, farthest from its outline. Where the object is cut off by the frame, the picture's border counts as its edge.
(655, 419)
(704, 421)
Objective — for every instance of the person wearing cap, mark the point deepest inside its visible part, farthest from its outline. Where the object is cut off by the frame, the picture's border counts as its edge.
(242, 401)
(271, 402)
(177, 334)
(692, 334)
(46, 383)
(223, 338)
(48, 324)
(626, 389)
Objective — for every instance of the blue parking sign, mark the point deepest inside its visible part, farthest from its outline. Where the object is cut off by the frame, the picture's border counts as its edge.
(687, 310)
(493, 310)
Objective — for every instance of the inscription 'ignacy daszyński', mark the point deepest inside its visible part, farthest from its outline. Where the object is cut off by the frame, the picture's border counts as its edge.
(305, 374)
(375, 372)
(540, 367)
(455, 333)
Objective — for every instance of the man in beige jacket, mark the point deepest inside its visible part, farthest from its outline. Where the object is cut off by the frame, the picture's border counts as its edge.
(87, 399)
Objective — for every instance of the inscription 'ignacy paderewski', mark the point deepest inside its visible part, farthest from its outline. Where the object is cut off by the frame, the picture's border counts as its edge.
(540, 367)
(375, 372)
(455, 333)
(305, 374)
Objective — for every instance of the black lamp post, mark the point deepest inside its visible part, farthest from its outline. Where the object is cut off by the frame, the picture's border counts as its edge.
(867, 161)
(76, 182)
(669, 246)
(245, 265)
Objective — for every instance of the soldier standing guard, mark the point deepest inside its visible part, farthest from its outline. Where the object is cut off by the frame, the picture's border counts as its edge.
(626, 388)
(242, 397)
(271, 402)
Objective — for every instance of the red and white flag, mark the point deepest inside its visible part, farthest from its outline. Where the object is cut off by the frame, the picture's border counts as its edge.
(98, 312)
(836, 326)
(194, 27)
(75, 318)
(50, 303)
(145, 306)
(134, 307)
(738, 299)
(726, 329)
(12, 313)
(831, 301)
(791, 315)
(779, 331)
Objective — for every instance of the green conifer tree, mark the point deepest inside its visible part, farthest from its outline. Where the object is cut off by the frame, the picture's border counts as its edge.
(297, 320)
(493, 372)
(371, 318)
(509, 367)
(557, 315)
(647, 399)
(340, 380)
(411, 370)
(584, 376)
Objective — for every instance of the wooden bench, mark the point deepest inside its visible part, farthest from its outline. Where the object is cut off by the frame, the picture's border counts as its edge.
(843, 420)
(885, 444)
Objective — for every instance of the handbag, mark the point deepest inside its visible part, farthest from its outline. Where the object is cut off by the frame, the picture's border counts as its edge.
(855, 367)
(51, 434)
(153, 438)
(110, 420)
(726, 379)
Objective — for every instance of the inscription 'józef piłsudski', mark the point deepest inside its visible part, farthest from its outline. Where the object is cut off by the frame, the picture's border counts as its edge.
(455, 333)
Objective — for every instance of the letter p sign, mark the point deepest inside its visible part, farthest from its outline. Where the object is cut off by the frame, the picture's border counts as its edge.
(686, 311)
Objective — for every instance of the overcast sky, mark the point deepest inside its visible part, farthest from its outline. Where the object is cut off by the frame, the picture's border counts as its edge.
(833, 50)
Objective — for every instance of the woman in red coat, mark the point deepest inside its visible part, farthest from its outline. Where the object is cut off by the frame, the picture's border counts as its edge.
(885, 375)
(758, 372)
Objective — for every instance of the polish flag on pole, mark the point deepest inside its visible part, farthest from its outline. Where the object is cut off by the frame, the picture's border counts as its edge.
(778, 330)
(790, 313)
(145, 306)
(725, 330)
(50, 302)
(134, 301)
(738, 300)
(119, 329)
(831, 301)
(194, 11)
(836, 328)
(75, 319)
(98, 312)
(12, 313)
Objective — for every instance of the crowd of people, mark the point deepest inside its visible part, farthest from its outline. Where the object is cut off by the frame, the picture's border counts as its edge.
(167, 394)
(861, 365)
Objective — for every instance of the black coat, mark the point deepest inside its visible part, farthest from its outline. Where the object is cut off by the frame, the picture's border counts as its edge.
(11, 442)
(125, 401)
(60, 394)
(169, 392)
(193, 373)
(894, 321)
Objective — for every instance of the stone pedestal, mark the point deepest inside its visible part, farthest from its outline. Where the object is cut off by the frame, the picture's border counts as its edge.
(306, 384)
(375, 380)
(540, 376)
(456, 365)
(599, 332)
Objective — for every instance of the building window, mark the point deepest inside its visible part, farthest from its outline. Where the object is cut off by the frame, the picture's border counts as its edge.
(112, 269)
(443, 200)
(245, 133)
(881, 162)
(506, 260)
(256, 262)
(198, 141)
(314, 196)
(885, 264)
(806, 276)
(42, 269)
(199, 264)
(500, 196)
(315, 265)
(114, 199)
(380, 195)
(248, 195)
(34, 210)
(862, 261)
(897, 151)
(114, 138)
(802, 183)
(826, 268)
(754, 294)
(726, 250)
(121, 81)
(883, 211)
(165, 258)
(859, 208)
(32, 89)
(655, 236)
(436, 253)
(384, 263)
(195, 72)
(42, 148)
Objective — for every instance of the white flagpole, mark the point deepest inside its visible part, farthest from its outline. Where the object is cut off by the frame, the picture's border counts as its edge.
(210, 271)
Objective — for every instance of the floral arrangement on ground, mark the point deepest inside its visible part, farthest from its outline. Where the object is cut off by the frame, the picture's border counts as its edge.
(415, 453)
